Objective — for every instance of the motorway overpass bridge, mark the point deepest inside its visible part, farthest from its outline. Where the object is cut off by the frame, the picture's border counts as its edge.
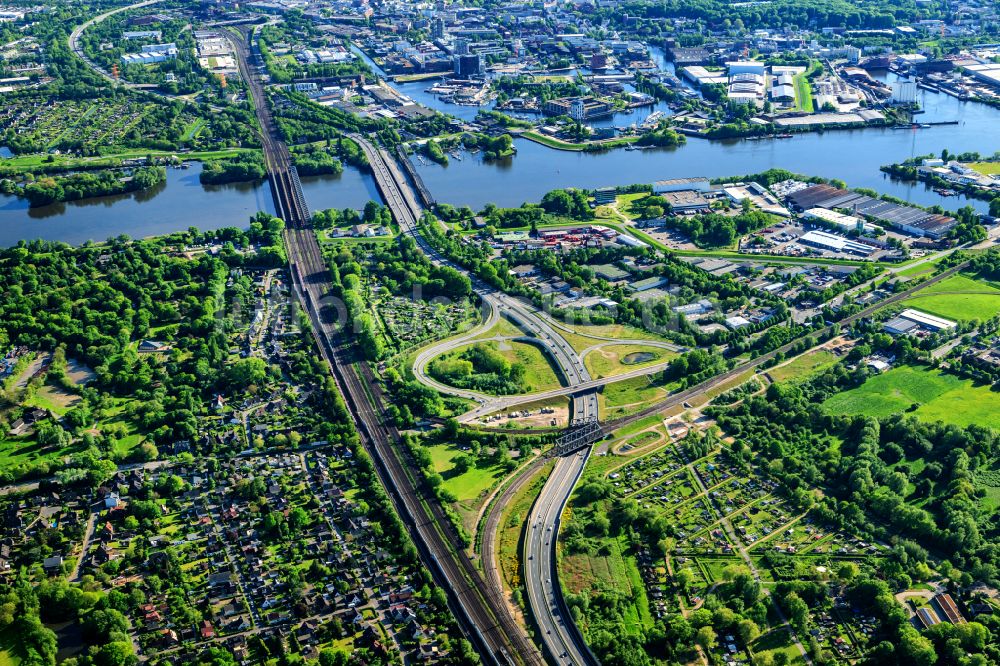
(559, 635)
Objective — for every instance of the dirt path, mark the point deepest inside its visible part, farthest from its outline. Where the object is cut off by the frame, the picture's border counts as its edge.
(745, 556)
(88, 535)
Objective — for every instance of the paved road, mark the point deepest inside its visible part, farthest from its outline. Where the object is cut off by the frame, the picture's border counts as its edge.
(406, 210)
(88, 535)
(560, 634)
(74, 45)
(718, 380)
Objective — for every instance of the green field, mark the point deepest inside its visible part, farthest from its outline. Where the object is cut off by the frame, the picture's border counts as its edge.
(777, 641)
(804, 366)
(988, 168)
(583, 336)
(617, 359)
(583, 572)
(512, 523)
(629, 396)
(559, 144)
(803, 93)
(469, 487)
(959, 297)
(540, 373)
(939, 396)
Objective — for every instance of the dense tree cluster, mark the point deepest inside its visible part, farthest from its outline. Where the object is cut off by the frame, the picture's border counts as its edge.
(402, 268)
(315, 162)
(480, 368)
(864, 466)
(95, 303)
(239, 168)
(86, 184)
(712, 230)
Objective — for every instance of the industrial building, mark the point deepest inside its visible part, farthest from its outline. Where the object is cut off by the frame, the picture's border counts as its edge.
(687, 201)
(908, 219)
(703, 77)
(151, 53)
(693, 309)
(680, 184)
(904, 92)
(845, 222)
(833, 243)
(142, 34)
(910, 321)
(646, 284)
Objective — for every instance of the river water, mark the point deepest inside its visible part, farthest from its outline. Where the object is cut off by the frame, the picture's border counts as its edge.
(181, 202)
(851, 155)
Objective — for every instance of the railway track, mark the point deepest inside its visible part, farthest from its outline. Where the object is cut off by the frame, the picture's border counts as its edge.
(718, 380)
(494, 634)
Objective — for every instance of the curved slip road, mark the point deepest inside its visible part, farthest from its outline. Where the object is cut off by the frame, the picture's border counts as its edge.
(562, 635)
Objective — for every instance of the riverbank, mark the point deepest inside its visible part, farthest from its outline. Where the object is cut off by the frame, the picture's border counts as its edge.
(51, 163)
(589, 146)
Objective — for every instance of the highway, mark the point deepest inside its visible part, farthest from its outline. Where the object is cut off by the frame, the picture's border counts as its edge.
(407, 211)
(480, 613)
(559, 634)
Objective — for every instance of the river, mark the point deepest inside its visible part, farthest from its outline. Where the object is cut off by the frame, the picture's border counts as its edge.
(851, 155)
(181, 202)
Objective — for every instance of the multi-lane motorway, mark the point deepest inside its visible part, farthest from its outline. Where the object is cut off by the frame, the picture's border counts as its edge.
(481, 613)
(480, 607)
(406, 210)
(558, 633)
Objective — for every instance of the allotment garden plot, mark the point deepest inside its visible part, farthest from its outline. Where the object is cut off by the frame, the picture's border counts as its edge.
(720, 511)
(76, 123)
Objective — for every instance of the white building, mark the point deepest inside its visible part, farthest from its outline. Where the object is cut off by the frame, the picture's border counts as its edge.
(745, 67)
(682, 184)
(833, 243)
(904, 92)
(845, 222)
(151, 53)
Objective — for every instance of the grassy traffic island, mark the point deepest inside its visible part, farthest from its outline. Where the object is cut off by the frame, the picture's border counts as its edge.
(615, 359)
(497, 368)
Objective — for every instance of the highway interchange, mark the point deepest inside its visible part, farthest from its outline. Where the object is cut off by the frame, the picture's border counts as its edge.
(558, 635)
(482, 608)
(479, 610)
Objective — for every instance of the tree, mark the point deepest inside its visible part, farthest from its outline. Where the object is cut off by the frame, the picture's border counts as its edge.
(684, 578)
(747, 630)
(706, 638)
(329, 657)
(463, 463)
(117, 653)
(99, 625)
(798, 611)
(916, 649)
(246, 372)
